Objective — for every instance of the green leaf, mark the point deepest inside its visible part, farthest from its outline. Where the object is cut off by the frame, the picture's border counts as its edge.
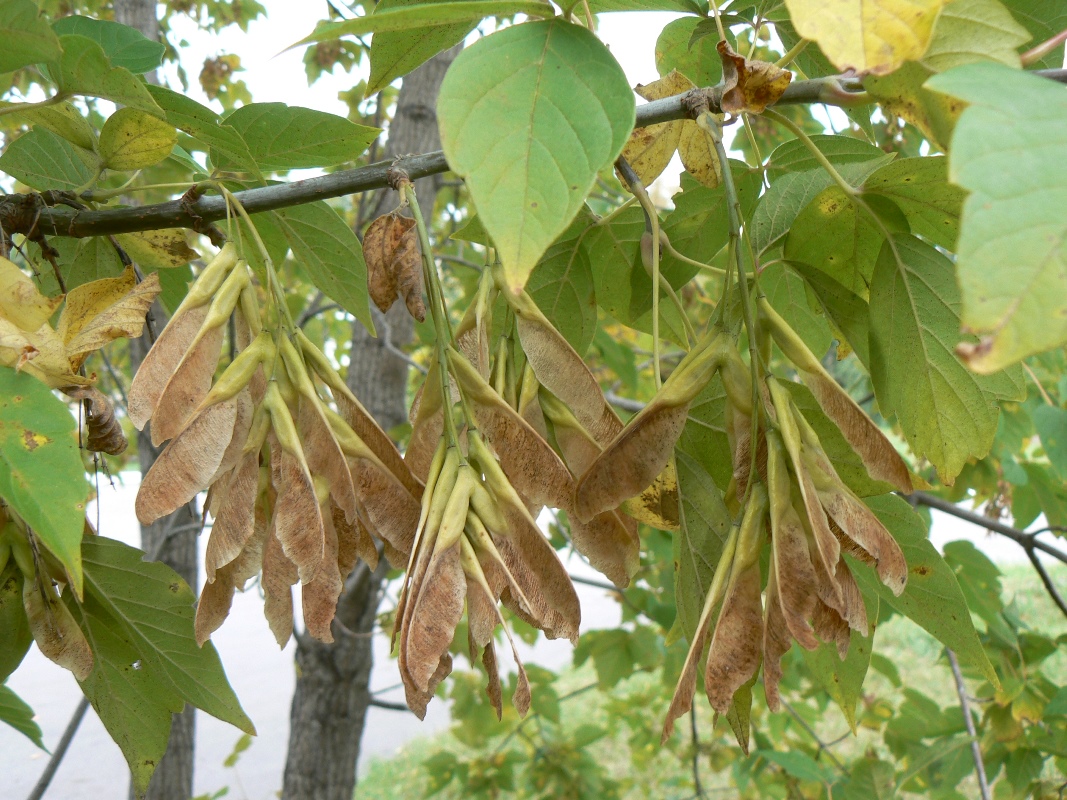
(81, 261)
(704, 524)
(132, 139)
(843, 680)
(331, 254)
(700, 63)
(43, 161)
(1043, 19)
(788, 295)
(85, 69)
(124, 46)
(796, 156)
(932, 598)
(472, 231)
(423, 15)
(1051, 425)
(704, 435)
(41, 473)
(281, 137)
(974, 30)
(14, 627)
(394, 54)
(979, 580)
(799, 765)
(62, 118)
(919, 187)
(138, 619)
(529, 116)
(623, 287)
(20, 716)
(699, 226)
(175, 283)
(1011, 255)
(848, 310)
(1042, 494)
(868, 779)
(204, 125)
(26, 36)
(944, 409)
(792, 192)
(562, 286)
(684, 6)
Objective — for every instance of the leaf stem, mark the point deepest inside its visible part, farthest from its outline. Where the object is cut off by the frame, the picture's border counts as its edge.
(792, 53)
(718, 21)
(818, 154)
(1043, 49)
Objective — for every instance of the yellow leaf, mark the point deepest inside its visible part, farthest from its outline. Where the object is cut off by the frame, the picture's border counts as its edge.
(698, 154)
(650, 149)
(158, 249)
(101, 311)
(20, 301)
(40, 353)
(132, 139)
(869, 36)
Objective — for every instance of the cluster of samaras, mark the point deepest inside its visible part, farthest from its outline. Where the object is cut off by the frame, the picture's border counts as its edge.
(302, 483)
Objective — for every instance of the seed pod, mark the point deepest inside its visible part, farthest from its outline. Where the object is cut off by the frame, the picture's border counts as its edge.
(54, 628)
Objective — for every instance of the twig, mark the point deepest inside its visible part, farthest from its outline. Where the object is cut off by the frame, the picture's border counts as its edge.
(625, 403)
(388, 705)
(965, 705)
(696, 751)
(60, 751)
(823, 746)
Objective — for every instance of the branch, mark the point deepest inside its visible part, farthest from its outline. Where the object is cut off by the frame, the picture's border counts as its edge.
(965, 706)
(26, 214)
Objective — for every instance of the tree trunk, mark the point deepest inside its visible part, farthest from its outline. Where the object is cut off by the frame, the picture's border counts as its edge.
(332, 689)
(173, 538)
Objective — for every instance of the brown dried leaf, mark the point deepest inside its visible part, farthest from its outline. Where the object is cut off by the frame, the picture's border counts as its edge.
(161, 362)
(830, 627)
(529, 462)
(187, 464)
(297, 522)
(563, 372)
(55, 630)
(189, 384)
(353, 543)
(279, 575)
(776, 641)
(234, 524)
(324, 455)
(103, 428)
(249, 563)
(242, 423)
(392, 511)
(98, 312)
(610, 542)
(493, 687)
(749, 86)
(737, 646)
(882, 460)
(394, 266)
(319, 595)
(216, 598)
(633, 461)
(796, 581)
(435, 612)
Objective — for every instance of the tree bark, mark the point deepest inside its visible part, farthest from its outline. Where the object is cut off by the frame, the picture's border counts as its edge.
(172, 539)
(332, 689)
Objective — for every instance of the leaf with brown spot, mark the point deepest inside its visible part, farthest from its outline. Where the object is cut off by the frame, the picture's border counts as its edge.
(161, 249)
(234, 524)
(737, 646)
(216, 599)
(161, 362)
(21, 302)
(749, 86)
(658, 504)
(188, 386)
(54, 628)
(297, 522)
(279, 575)
(98, 312)
(394, 265)
(882, 460)
(104, 431)
(319, 595)
(186, 464)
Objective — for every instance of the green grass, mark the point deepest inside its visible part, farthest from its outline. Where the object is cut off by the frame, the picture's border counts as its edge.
(651, 771)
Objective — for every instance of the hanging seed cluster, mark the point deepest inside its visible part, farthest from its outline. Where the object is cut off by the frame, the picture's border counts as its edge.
(296, 484)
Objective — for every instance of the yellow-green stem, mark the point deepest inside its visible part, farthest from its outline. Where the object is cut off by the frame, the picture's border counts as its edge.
(17, 108)
(793, 52)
